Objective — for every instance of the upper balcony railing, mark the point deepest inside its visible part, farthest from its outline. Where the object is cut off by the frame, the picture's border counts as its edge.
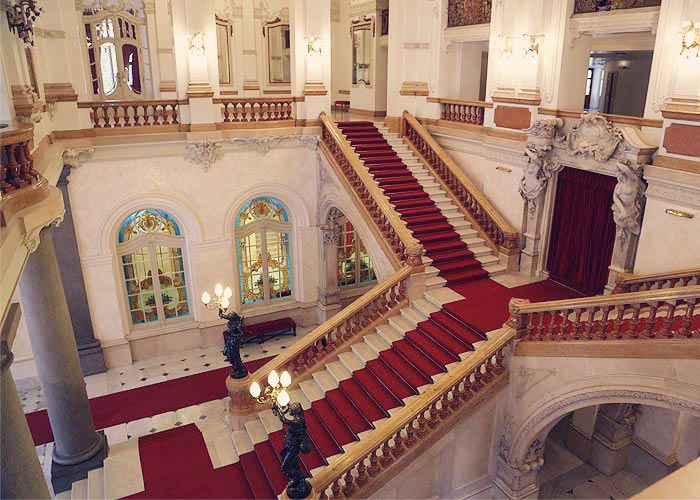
(586, 6)
(468, 12)
(138, 113)
(616, 119)
(627, 282)
(249, 112)
(461, 111)
(500, 234)
(20, 184)
(404, 246)
(665, 313)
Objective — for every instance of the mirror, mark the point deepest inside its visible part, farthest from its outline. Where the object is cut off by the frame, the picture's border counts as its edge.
(223, 29)
(361, 54)
(279, 53)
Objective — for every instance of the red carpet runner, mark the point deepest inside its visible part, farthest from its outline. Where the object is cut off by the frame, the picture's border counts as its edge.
(127, 406)
(175, 463)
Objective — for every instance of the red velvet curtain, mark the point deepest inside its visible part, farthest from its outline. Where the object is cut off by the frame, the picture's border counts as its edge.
(582, 238)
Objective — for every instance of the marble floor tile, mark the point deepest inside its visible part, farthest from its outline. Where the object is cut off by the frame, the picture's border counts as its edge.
(122, 470)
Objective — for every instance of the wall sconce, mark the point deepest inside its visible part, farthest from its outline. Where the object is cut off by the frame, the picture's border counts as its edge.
(504, 45)
(623, 65)
(195, 42)
(531, 44)
(690, 37)
(314, 45)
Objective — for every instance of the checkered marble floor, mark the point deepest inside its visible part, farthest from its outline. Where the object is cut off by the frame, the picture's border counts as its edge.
(162, 368)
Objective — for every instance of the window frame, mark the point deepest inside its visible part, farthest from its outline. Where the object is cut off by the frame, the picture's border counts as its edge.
(357, 245)
(151, 241)
(262, 228)
(229, 48)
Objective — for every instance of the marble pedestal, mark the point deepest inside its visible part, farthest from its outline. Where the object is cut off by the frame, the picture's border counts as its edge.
(241, 405)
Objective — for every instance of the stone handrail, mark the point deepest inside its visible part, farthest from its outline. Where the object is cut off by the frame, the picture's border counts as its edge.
(375, 453)
(619, 119)
(628, 282)
(348, 325)
(257, 109)
(500, 235)
(20, 184)
(665, 313)
(406, 248)
(461, 111)
(137, 113)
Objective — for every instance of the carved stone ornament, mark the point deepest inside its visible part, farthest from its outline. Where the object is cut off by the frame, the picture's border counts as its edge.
(593, 136)
(539, 168)
(76, 157)
(628, 199)
(262, 145)
(203, 153)
(331, 228)
(528, 378)
(32, 238)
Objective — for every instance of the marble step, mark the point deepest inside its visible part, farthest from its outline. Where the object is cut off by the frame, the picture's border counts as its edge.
(79, 490)
(96, 484)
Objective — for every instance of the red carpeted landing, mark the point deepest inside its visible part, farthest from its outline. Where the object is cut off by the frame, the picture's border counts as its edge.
(127, 406)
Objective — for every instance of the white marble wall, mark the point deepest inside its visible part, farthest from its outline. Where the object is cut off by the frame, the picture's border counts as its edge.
(458, 465)
(668, 242)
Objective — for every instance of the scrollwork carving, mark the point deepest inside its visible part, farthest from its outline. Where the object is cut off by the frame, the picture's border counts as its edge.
(76, 157)
(628, 198)
(204, 153)
(593, 136)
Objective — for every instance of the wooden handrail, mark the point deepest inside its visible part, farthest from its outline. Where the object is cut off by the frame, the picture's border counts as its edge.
(401, 240)
(625, 119)
(499, 233)
(464, 102)
(350, 472)
(348, 324)
(628, 282)
(223, 100)
(663, 313)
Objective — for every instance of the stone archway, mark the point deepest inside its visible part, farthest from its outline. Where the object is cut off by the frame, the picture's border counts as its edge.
(522, 451)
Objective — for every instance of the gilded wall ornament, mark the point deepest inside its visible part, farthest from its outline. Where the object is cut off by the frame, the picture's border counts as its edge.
(203, 153)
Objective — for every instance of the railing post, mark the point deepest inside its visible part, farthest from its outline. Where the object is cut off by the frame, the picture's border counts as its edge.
(517, 321)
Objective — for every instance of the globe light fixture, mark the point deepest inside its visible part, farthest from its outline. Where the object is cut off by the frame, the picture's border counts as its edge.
(690, 37)
(314, 45)
(195, 42)
(275, 394)
(234, 327)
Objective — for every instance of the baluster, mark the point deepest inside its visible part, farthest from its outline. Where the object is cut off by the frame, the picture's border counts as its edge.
(434, 418)
(227, 113)
(398, 449)
(335, 488)
(443, 116)
(373, 463)
(13, 167)
(540, 325)
(361, 478)
(24, 159)
(551, 325)
(176, 119)
(476, 384)
(486, 374)
(587, 334)
(349, 483)
(499, 368)
(651, 320)
(685, 330)
(480, 117)
(530, 326)
(5, 187)
(386, 454)
(617, 324)
(667, 328)
(422, 424)
(633, 323)
(601, 333)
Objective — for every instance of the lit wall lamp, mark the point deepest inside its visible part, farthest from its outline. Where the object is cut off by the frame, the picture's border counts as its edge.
(531, 44)
(623, 65)
(690, 37)
(314, 45)
(195, 42)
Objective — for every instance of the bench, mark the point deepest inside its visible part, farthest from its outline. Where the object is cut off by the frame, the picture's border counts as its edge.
(267, 330)
(342, 105)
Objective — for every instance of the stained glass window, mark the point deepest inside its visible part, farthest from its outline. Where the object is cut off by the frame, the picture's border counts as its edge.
(150, 244)
(354, 264)
(263, 243)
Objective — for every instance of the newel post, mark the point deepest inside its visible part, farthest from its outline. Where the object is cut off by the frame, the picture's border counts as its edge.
(416, 283)
(517, 320)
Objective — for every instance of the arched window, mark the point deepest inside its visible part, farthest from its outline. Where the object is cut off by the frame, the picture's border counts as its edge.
(115, 33)
(264, 262)
(354, 264)
(150, 244)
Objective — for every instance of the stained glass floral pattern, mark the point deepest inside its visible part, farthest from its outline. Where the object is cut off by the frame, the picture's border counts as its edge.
(354, 264)
(151, 244)
(263, 245)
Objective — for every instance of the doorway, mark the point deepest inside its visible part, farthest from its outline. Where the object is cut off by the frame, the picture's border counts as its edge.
(582, 237)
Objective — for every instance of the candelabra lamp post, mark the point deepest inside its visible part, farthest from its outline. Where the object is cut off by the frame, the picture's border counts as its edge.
(296, 439)
(240, 408)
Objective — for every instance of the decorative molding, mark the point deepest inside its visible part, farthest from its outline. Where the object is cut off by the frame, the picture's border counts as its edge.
(199, 89)
(616, 21)
(59, 92)
(677, 194)
(593, 136)
(331, 227)
(76, 157)
(461, 34)
(262, 145)
(249, 52)
(28, 106)
(414, 88)
(52, 34)
(416, 45)
(528, 378)
(165, 50)
(203, 153)
(539, 168)
(628, 199)
(31, 239)
(525, 436)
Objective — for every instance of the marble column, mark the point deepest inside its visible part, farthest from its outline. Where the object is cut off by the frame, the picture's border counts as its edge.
(91, 357)
(21, 476)
(78, 448)
(614, 430)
